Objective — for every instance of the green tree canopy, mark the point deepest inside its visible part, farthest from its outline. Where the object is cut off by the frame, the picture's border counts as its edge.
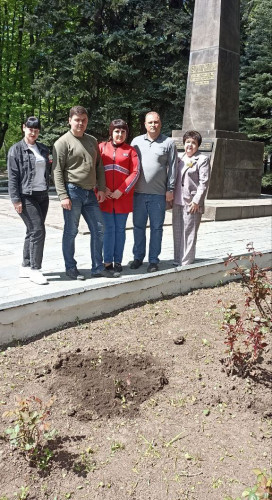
(15, 77)
(256, 72)
(118, 58)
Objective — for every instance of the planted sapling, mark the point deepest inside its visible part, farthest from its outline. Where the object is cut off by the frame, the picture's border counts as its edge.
(31, 431)
(245, 332)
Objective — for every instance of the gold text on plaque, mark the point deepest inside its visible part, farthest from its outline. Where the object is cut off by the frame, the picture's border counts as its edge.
(202, 74)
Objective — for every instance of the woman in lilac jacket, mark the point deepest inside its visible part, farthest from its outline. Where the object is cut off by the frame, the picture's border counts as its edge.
(193, 175)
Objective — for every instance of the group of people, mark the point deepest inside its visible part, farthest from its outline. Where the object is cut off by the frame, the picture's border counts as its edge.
(104, 183)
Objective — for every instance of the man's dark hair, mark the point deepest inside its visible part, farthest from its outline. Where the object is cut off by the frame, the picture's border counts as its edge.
(118, 123)
(193, 134)
(33, 122)
(77, 110)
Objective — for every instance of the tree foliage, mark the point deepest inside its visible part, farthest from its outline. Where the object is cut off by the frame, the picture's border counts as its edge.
(118, 58)
(15, 79)
(256, 71)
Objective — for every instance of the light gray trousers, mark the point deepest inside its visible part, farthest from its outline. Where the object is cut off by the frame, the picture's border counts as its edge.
(185, 228)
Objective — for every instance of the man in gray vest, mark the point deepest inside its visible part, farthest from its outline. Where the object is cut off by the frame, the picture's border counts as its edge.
(158, 158)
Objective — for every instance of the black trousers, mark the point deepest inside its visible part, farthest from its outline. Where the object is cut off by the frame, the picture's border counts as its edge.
(35, 207)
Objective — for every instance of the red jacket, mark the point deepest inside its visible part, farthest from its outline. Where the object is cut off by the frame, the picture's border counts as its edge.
(122, 170)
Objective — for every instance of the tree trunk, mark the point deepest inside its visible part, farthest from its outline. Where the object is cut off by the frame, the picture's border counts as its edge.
(3, 130)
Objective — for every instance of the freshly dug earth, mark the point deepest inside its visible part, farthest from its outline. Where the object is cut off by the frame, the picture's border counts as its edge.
(144, 408)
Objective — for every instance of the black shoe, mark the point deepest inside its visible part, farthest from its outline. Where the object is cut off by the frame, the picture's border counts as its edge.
(118, 267)
(152, 268)
(105, 273)
(135, 264)
(74, 274)
(109, 267)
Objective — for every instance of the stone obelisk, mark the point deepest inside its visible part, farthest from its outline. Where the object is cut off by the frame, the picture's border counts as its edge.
(212, 101)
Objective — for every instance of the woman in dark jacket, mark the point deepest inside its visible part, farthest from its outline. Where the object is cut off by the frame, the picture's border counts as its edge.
(28, 170)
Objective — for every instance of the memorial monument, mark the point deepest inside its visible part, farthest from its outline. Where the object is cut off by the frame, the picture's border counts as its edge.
(212, 101)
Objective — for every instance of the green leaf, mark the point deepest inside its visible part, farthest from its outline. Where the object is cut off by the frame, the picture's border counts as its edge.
(252, 496)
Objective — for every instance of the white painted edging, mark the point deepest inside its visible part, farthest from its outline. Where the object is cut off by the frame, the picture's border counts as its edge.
(27, 320)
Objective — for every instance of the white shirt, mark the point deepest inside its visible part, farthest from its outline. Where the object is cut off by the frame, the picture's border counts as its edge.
(39, 182)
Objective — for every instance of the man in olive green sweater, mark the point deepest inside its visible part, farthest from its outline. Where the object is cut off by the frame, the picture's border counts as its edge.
(78, 170)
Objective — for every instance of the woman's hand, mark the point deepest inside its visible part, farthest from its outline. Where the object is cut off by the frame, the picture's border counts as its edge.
(169, 196)
(193, 207)
(116, 194)
(18, 207)
(108, 193)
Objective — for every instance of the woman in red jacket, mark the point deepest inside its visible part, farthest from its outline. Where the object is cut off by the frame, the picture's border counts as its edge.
(122, 169)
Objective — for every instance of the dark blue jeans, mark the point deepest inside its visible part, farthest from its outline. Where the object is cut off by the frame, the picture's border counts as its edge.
(144, 206)
(34, 212)
(84, 203)
(114, 237)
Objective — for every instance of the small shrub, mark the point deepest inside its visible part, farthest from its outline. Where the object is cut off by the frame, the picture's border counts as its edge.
(23, 493)
(245, 333)
(116, 447)
(262, 490)
(20, 495)
(31, 430)
(85, 463)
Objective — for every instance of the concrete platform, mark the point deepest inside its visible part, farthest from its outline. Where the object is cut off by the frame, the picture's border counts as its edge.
(239, 209)
(27, 309)
(29, 317)
(221, 209)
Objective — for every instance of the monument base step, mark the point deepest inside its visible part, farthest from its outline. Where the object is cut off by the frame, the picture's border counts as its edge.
(229, 209)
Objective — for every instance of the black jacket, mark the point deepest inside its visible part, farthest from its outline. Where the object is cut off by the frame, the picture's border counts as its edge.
(21, 169)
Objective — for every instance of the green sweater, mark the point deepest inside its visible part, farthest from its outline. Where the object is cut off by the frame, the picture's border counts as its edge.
(77, 160)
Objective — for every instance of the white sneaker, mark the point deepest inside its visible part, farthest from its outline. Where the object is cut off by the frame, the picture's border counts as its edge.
(24, 272)
(37, 277)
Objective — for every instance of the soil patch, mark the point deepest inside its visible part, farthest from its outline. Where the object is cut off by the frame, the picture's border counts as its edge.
(144, 408)
(105, 384)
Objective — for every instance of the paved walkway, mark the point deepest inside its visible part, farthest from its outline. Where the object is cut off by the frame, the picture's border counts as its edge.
(215, 241)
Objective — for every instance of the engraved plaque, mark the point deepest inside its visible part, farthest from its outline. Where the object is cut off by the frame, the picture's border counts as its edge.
(206, 145)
